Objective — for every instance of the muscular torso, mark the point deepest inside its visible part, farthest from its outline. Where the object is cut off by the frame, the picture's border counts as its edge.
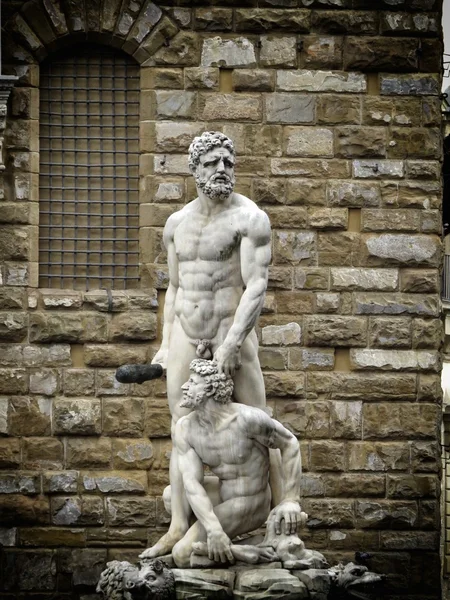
(240, 463)
(209, 271)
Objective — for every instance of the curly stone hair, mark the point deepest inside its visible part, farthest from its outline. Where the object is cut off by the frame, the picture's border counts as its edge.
(206, 142)
(218, 385)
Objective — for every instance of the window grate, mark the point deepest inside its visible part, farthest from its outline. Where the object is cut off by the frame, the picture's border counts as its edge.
(89, 170)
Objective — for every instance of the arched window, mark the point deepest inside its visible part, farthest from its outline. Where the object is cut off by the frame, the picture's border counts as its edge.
(89, 169)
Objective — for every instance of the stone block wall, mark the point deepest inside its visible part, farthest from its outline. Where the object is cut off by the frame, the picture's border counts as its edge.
(334, 109)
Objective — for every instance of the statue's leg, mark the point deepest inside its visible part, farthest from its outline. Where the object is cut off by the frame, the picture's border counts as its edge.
(249, 389)
(181, 353)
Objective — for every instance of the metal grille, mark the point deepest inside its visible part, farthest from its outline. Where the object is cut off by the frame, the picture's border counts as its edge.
(89, 170)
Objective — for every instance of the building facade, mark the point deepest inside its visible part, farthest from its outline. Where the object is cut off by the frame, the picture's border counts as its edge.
(334, 109)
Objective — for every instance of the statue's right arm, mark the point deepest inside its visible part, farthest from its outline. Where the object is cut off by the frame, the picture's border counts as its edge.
(169, 303)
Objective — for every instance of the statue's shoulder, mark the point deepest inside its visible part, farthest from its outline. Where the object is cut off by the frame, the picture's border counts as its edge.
(177, 217)
(254, 221)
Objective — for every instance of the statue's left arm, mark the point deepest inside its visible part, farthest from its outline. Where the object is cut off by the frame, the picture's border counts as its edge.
(255, 257)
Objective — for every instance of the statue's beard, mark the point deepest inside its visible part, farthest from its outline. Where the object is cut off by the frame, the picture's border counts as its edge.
(217, 187)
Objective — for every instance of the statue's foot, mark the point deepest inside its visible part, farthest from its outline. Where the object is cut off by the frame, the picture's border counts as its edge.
(162, 547)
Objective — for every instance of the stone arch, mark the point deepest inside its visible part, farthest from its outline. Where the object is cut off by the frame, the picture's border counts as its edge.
(41, 27)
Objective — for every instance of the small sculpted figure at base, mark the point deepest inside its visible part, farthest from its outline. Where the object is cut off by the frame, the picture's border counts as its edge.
(233, 440)
(218, 249)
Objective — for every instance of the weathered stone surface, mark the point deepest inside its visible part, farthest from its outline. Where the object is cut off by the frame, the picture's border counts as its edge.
(395, 360)
(14, 243)
(213, 19)
(44, 382)
(29, 416)
(378, 169)
(346, 419)
(20, 482)
(311, 419)
(327, 302)
(415, 142)
(54, 537)
(161, 78)
(294, 302)
(13, 326)
(305, 191)
(42, 453)
(284, 335)
(425, 457)
(253, 584)
(201, 78)
(259, 20)
(370, 386)
(338, 110)
(409, 540)
(388, 332)
(175, 104)
(11, 298)
(339, 249)
(77, 511)
(284, 385)
(32, 571)
(133, 326)
(13, 381)
(322, 51)
(61, 299)
(309, 167)
(81, 416)
(407, 486)
(115, 482)
(123, 417)
(209, 583)
(378, 456)
(429, 388)
(311, 278)
(99, 300)
(401, 23)
(396, 304)
(263, 139)
(353, 22)
(132, 454)
(79, 382)
(327, 455)
(114, 355)
(390, 220)
(427, 333)
(329, 513)
(423, 169)
(183, 51)
(290, 108)
(294, 247)
(353, 194)
(364, 279)
(245, 107)
(372, 53)
(402, 249)
(57, 327)
(411, 194)
(320, 81)
(360, 142)
(10, 453)
(88, 452)
(278, 51)
(311, 359)
(303, 141)
(317, 582)
(175, 137)
(385, 514)
(351, 484)
(412, 84)
(253, 80)
(83, 564)
(219, 52)
(65, 482)
(131, 512)
(399, 421)
(325, 330)
(328, 218)
(395, 111)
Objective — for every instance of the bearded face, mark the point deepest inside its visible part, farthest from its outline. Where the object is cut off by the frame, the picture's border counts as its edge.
(215, 174)
(194, 392)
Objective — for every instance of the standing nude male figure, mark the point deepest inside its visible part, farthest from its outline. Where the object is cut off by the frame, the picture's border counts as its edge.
(218, 249)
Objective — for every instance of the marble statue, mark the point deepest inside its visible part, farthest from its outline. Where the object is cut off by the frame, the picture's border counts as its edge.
(233, 440)
(218, 249)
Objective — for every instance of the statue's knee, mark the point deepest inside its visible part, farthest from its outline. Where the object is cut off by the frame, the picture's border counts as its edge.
(181, 555)
(167, 499)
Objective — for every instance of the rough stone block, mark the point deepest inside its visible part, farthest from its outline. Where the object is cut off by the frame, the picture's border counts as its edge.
(401, 23)
(309, 419)
(328, 218)
(327, 302)
(131, 512)
(13, 326)
(372, 53)
(232, 53)
(253, 80)
(259, 20)
(378, 169)
(338, 110)
(84, 565)
(311, 278)
(88, 453)
(231, 107)
(336, 249)
(353, 194)
(11, 298)
(80, 416)
(305, 141)
(183, 51)
(346, 22)
(412, 84)
(328, 330)
(35, 570)
(14, 243)
(161, 78)
(360, 142)
(263, 139)
(385, 514)
(132, 454)
(423, 169)
(396, 304)
(115, 482)
(133, 326)
(79, 382)
(320, 81)
(391, 111)
(379, 456)
(65, 482)
(99, 300)
(370, 386)
(67, 511)
(427, 333)
(425, 457)
(400, 421)
(278, 51)
(351, 485)
(327, 455)
(61, 299)
(311, 359)
(294, 302)
(346, 419)
(10, 453)
(213, 19)
(123, 417)
(13, 381)
(201, 78)
(284, 335)
(284, 385)
(20, 482)
(29, 416)
(388, 332)
(407, 486)
(305, 191)
(175, 104)
(294, 247)
(329, 513)
(364, 279)
(402, 249)
(71, 328)
(322, 51)
(395, 360)
(409, 540)
(204, 583)
(175, 137)
(390, 220)
(415, 142)
(308, 167)
(114, 355)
